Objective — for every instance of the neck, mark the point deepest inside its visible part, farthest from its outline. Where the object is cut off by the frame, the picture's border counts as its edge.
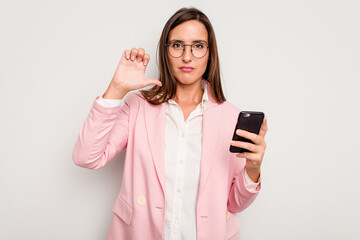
(189, 93)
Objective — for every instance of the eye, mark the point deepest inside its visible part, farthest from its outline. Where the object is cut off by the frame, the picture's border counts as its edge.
(199, 46)
(177, 45)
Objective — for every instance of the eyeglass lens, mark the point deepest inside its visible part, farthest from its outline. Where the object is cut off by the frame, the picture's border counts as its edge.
(198, 50)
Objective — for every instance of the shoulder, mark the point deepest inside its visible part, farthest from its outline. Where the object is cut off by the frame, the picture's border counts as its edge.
(230, 109)
(133, 97)
(230, 116)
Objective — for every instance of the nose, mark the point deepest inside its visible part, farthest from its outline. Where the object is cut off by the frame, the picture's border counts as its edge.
(187, 54)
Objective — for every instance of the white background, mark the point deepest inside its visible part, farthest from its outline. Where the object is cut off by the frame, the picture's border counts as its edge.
(298, 61)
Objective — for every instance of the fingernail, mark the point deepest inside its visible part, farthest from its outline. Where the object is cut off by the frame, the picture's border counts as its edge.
(127, 57)
(232, 142)
(145, 62)
(238, 131)
(139, 59)
(133, 58)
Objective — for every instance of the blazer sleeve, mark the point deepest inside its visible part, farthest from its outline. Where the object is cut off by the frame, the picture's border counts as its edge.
(103, 135)
(240, 196)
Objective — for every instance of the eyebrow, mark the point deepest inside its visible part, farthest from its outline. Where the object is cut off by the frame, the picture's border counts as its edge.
(195, 41)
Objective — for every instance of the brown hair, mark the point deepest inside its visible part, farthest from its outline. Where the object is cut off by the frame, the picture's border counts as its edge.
(212, 73)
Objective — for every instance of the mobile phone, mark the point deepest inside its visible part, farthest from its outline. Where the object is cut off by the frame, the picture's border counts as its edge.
(248, 121)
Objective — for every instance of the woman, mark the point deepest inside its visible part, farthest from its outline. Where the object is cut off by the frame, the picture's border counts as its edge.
(180, 180)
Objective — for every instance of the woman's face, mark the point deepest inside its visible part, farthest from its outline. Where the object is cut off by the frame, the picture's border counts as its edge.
(187, 33)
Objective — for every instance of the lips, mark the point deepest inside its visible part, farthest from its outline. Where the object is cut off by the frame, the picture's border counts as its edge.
(186, 69)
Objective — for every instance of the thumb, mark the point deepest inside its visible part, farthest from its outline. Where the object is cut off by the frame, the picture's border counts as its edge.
(152, 81)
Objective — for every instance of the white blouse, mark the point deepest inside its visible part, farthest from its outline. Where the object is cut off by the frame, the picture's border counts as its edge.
(182, 166)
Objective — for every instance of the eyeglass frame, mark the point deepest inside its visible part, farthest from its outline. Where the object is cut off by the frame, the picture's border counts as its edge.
(184, 45)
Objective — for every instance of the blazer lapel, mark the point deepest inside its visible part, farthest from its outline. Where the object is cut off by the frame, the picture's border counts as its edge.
(155, 117)
(212, 122)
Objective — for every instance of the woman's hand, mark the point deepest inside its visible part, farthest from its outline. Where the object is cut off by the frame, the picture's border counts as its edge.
(255, 156)
(130, 73)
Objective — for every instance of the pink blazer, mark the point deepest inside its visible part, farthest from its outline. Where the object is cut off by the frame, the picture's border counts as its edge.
(139, 210)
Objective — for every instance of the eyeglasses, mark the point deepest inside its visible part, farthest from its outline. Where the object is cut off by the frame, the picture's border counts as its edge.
(198, 49)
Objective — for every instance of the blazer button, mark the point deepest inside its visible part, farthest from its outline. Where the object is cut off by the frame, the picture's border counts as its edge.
(227, 214)
(141, 201)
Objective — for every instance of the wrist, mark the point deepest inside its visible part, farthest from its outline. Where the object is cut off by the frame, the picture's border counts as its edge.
(253, 173)
(113, 92)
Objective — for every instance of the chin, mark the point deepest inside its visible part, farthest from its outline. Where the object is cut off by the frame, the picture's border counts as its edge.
(187, 79)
